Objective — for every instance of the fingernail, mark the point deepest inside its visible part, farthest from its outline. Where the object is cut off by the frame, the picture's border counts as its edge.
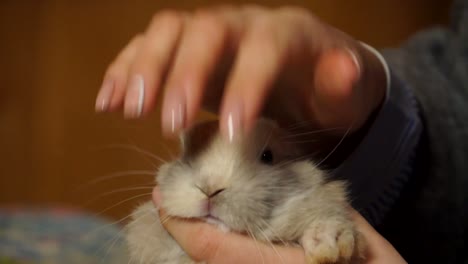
(135, 97)
(233, 126)
(104, 95)
(174, 116)
(355, 59)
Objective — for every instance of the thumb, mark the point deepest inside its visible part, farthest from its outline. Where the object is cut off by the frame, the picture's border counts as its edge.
(380, 251)
(156, 196)
(207, 243)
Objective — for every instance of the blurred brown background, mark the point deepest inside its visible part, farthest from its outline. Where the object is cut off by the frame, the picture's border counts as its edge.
(52, 57)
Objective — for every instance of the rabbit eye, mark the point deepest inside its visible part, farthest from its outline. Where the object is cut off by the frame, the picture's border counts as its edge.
(267, 157)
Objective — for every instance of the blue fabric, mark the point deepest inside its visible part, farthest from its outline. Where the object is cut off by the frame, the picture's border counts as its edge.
(58, 236)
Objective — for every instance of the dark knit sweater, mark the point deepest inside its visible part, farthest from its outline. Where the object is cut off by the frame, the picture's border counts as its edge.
(409, 175)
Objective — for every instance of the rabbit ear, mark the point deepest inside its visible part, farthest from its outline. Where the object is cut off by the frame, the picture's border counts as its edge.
(197, 138)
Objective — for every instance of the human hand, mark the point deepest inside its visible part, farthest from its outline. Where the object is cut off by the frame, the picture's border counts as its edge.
(245, 61)
(380, 251)
(204, 242)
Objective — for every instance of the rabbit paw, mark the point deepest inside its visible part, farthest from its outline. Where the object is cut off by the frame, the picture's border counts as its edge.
(332, 242)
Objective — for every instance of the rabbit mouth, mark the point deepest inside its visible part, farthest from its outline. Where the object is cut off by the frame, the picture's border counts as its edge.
(211, 218)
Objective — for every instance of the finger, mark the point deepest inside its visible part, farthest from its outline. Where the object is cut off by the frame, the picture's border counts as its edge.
(111, 94)
(379, 249)
(151, 63)
(337, 98)
(205, 242)
(201, 48)
(364, 227)
(260, 58)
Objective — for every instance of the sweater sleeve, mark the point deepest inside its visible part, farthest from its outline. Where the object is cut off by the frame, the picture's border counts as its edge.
(380, 166)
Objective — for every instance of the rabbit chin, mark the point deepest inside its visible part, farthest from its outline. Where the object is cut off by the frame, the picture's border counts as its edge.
(217, 222)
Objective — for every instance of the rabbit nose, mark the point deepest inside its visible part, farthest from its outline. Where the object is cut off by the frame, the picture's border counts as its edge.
(216, 192)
